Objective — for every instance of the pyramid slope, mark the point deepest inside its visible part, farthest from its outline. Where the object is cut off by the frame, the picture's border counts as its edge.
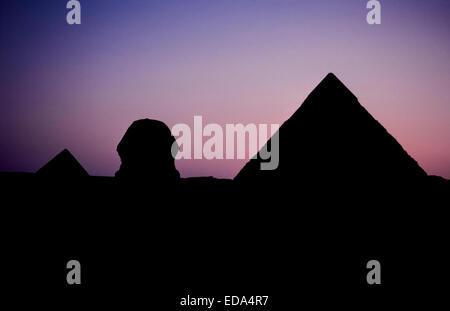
(63, 165)
(331, 136)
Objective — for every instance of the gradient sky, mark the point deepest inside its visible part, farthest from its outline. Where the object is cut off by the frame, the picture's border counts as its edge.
(250, 61)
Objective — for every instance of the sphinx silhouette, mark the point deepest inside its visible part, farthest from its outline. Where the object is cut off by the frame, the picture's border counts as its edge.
(145, 153)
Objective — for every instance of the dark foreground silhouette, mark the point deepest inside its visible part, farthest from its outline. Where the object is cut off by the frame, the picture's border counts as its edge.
(345, 192)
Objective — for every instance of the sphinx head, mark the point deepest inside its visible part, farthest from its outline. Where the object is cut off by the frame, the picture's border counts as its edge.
(146, 152)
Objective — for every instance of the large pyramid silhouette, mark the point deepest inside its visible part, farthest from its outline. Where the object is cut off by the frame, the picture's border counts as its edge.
(332, 137)
(63, 164)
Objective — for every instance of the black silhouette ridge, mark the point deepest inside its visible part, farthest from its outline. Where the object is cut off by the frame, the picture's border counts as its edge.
(212, 237)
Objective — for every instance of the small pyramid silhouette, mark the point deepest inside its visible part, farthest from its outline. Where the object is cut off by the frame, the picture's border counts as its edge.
(331, 136)
(63, 165)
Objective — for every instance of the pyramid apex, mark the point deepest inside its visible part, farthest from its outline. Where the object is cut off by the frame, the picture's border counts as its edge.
(331, 75)
(331, 78)
(332, 85)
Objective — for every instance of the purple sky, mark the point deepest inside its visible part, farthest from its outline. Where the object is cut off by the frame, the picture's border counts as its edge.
(80, 87)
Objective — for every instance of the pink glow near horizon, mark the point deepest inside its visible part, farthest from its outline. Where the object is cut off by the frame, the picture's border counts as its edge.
(232, 64)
